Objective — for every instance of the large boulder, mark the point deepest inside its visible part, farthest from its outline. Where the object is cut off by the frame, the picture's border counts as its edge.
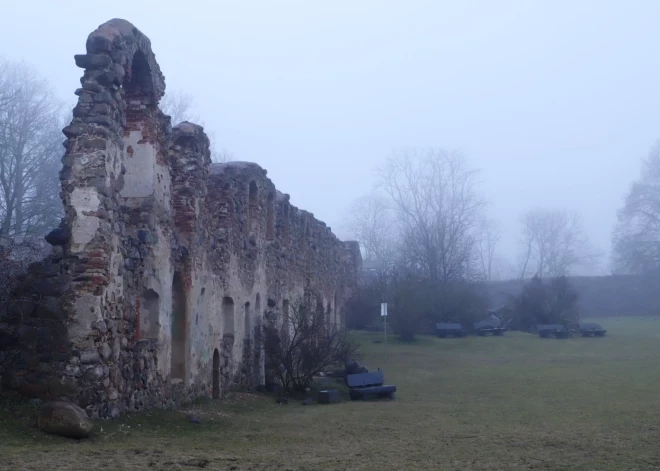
(65, 419)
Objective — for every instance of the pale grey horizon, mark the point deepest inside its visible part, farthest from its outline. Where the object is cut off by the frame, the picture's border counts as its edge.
(556, 103)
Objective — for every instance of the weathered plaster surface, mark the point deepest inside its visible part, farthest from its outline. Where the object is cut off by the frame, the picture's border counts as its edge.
(139, 162)
(86, 223)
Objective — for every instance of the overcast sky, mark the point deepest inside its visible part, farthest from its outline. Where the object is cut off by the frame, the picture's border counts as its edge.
(555, 102)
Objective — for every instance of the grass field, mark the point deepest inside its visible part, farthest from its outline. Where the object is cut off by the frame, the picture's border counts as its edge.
(516, 402)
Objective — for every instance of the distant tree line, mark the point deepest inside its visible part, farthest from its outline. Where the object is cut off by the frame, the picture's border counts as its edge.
(599, 296)
(429, 247)
(420, 232)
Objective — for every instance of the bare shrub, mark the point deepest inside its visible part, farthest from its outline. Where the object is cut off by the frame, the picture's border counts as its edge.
(302, 345)
(551, 301)
(15, 258)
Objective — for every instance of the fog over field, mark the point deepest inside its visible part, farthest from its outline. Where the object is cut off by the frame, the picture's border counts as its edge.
(554, 103)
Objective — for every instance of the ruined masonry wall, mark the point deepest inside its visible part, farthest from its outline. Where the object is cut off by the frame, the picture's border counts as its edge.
(164, 263)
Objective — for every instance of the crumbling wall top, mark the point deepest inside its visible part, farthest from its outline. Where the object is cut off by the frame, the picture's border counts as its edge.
(237, 167)
(123, 42)
(281, 197)
(187, 134)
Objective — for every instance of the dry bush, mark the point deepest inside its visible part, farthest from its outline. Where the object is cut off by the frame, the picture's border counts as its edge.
(300, 345)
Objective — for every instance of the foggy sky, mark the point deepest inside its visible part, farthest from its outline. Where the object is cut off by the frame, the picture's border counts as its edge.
(556, 102)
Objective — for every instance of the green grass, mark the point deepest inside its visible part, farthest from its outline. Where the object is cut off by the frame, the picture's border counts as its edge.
(517, 402)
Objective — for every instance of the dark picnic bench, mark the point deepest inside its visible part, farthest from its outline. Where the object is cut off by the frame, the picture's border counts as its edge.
(489, 326)
(592, 329)
(552, 330)
(450, 330)
(362, 385)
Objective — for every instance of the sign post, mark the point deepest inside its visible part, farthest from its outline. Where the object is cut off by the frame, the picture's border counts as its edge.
(383, 313)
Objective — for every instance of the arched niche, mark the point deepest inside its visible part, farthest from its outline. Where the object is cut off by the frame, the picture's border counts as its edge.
(149, 315)
(138, 82)
(179, 328)
(228, 316)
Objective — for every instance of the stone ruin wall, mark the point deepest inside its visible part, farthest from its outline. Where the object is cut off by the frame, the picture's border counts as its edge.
(164, 263)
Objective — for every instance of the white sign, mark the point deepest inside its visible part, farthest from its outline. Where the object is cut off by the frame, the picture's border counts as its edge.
(383, 309)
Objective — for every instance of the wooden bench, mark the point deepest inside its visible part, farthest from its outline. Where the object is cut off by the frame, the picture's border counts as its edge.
(450, 330)
(369, 384)
(489, 326)
(591, 329)
(552, 330)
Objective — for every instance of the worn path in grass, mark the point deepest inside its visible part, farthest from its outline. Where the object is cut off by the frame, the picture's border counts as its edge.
(516, 402)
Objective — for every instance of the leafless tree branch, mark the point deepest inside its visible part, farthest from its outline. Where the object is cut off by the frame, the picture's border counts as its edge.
(554, 243)
(30, 151)
(636, 239)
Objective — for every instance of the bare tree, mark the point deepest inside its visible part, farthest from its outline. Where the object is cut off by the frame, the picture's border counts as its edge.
(7, 91)
(554, 242)
(435, 220)
(488, 238)
(179, 106)
(30, 151)
(636, 240)
(301, 346)
(438, 210)
(371, 222)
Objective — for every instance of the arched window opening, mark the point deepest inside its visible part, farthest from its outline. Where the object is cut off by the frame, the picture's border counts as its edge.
(179, 328)
(228, 316)
(257, 305)
(141, 153)
(138, 85)
(149, 315)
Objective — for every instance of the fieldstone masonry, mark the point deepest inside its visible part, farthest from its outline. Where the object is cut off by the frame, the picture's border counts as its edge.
(164, 263)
